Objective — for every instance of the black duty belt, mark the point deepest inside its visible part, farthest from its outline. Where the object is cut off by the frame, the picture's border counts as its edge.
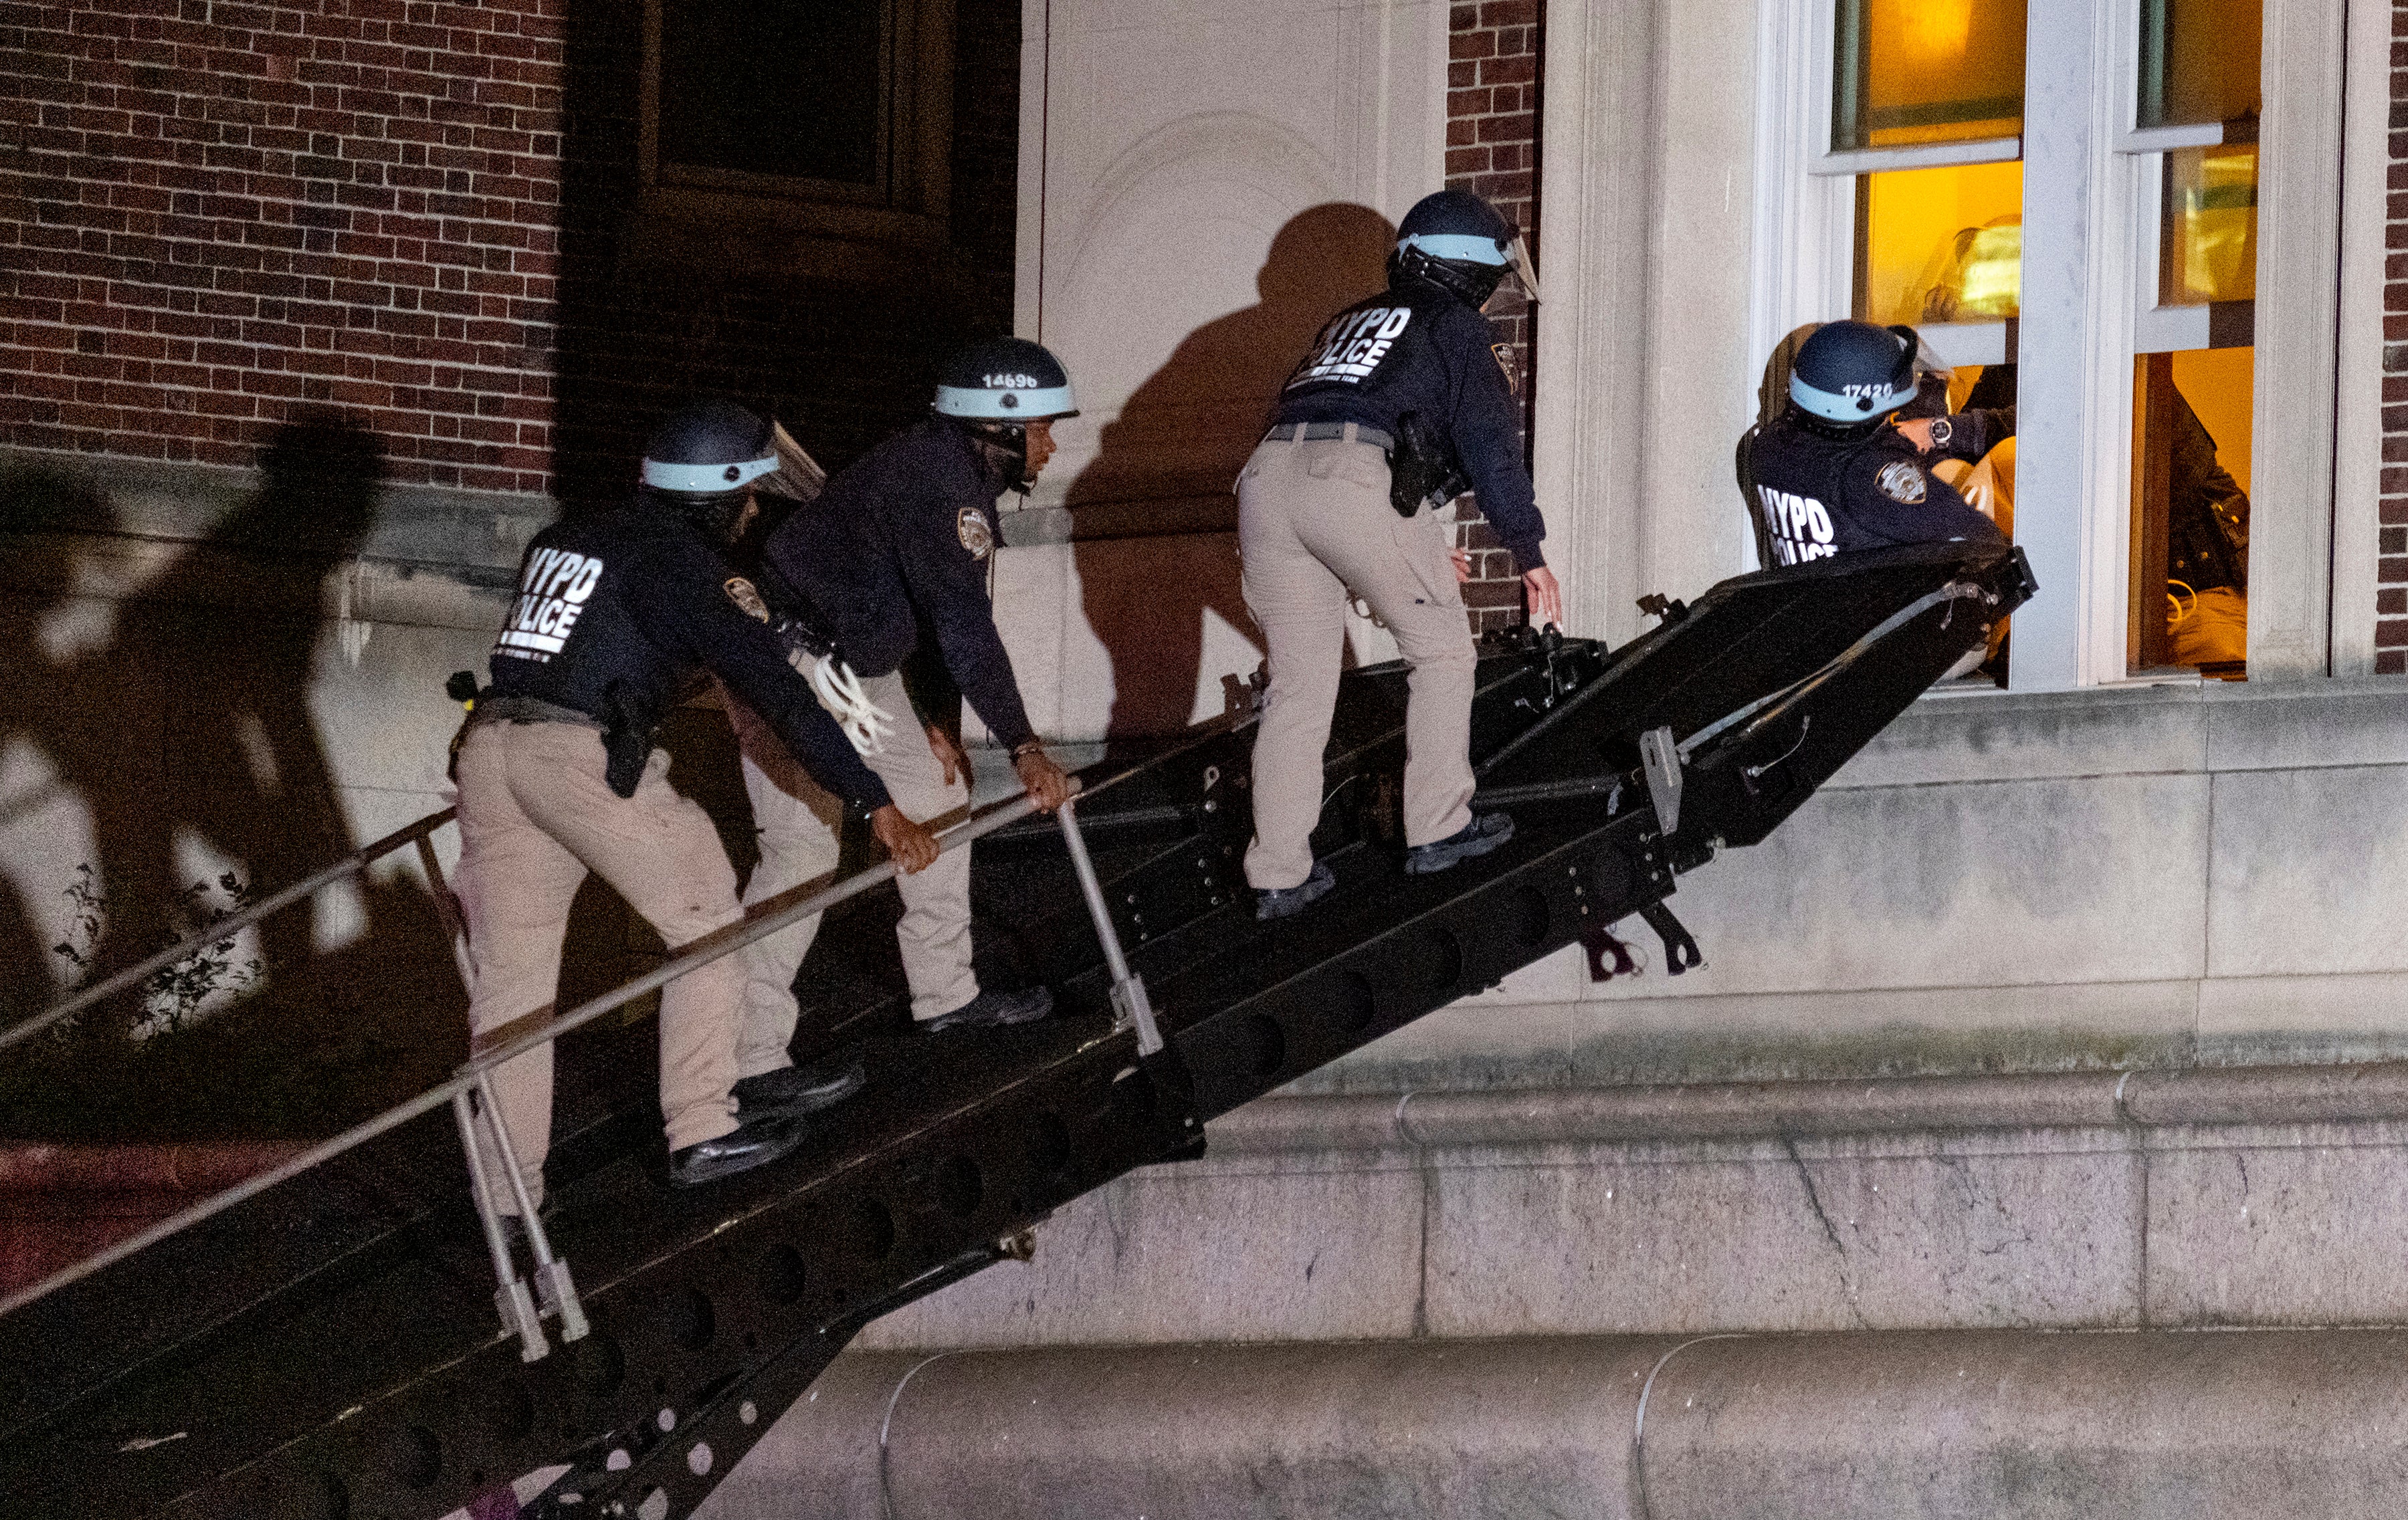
(1309, 432)
(528, 709)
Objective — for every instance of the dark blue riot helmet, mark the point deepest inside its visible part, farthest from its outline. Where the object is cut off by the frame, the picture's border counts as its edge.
(995, 388)
(703, 462)
(1457, 241)
(1850, 376)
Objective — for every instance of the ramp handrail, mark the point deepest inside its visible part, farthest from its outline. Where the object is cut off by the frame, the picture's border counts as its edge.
(350, 864)
(701, 952)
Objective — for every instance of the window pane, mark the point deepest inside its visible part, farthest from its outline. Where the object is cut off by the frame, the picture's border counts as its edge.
(2198, 62)
(1941, 245)
(777, 87)
(2191, 510)
(2210, 226)
(1914, 71)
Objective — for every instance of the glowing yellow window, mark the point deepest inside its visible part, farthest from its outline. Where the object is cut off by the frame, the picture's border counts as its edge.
(1924, 71)
(1941, 245)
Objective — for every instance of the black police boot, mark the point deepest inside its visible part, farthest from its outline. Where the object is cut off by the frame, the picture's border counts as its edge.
(993, 1010)
(1281, 902)
(1485, 832)
(753, 1144)
(794, 1091)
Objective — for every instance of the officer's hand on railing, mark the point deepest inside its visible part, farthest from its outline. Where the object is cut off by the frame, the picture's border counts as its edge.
(911, 845)
(950, 755)
(1048, 784)
(1546, 598)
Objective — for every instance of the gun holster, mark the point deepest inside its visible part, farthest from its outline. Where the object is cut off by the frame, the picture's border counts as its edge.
(1422, 470)
(626, 742)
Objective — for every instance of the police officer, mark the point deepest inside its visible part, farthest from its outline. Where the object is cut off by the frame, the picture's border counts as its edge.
(1832, 476)
(892, 561)
(1400, 404)
(558, 776)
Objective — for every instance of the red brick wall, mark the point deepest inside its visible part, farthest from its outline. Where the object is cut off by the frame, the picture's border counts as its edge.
(1492, 136)
(214, 216)
(2391, 597)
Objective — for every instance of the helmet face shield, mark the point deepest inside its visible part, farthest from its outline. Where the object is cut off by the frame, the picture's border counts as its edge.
(1457, 240)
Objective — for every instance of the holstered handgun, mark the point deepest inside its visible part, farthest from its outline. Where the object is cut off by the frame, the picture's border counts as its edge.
(626, 740)
(1422, 469)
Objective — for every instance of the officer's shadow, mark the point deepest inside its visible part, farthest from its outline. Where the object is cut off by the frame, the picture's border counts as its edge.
(1158, 507)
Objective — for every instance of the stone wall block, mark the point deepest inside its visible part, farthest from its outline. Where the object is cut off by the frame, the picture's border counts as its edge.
(1790, 1236)
(1292, 1252)
(2298, 1227)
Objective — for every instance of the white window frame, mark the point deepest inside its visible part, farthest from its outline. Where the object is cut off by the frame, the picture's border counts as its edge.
(2091, 215)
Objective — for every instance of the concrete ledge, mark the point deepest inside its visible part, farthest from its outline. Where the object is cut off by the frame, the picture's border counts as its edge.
(1754, 1110)
(2194, 1425)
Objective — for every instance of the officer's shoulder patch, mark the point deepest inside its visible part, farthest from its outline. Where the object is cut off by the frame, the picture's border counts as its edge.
(746, 597)
(969, 525)
(1505, 362)
(1900, 481)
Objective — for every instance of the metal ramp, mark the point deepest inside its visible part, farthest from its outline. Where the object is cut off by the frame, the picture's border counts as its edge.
(328, 1349)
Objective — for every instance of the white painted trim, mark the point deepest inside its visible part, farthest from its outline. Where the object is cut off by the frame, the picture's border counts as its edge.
(2168, 138)
(1028, 249)
(1936, 155)
(1592, 359)
(1803, 250)
(2357, 442)
(1958, 344)
(2074, 396)
(2298, 262)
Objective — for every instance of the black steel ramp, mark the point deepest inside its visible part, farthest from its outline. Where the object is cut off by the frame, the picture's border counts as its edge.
(330, 1350)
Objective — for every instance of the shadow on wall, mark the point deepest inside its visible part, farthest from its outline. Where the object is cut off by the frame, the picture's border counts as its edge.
(1166, 468)
(188, 731)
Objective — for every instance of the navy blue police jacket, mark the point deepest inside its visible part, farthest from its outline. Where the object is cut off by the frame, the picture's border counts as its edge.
(893, 559)
(616, 613)
(1822, 495)
(1417, 348)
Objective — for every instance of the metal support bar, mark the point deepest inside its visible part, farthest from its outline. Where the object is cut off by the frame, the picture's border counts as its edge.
(511, 1295)
(447, 912)
(1129, 999)
(552, 1280)
(1661, 755)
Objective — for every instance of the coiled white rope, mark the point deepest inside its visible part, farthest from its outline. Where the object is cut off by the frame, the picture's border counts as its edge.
(864, 722)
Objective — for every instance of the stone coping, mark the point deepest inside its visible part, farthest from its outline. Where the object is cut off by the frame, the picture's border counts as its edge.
(2155, 1099)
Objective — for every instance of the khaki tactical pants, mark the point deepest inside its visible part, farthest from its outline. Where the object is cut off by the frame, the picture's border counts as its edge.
(535, 816)
(1314, 524)
(799, 820)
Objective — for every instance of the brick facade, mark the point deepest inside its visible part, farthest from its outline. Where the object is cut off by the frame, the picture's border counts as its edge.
(2391, 596)
(1492, 136)
(214, 217)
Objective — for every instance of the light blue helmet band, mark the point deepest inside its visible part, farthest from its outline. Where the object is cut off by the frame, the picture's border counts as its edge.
(1007, 406)
(1838, 407)
(706, 479)
(1468, 246)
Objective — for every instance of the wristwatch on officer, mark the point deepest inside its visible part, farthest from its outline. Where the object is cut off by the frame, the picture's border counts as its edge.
(1025, 748)
(1942, 431)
